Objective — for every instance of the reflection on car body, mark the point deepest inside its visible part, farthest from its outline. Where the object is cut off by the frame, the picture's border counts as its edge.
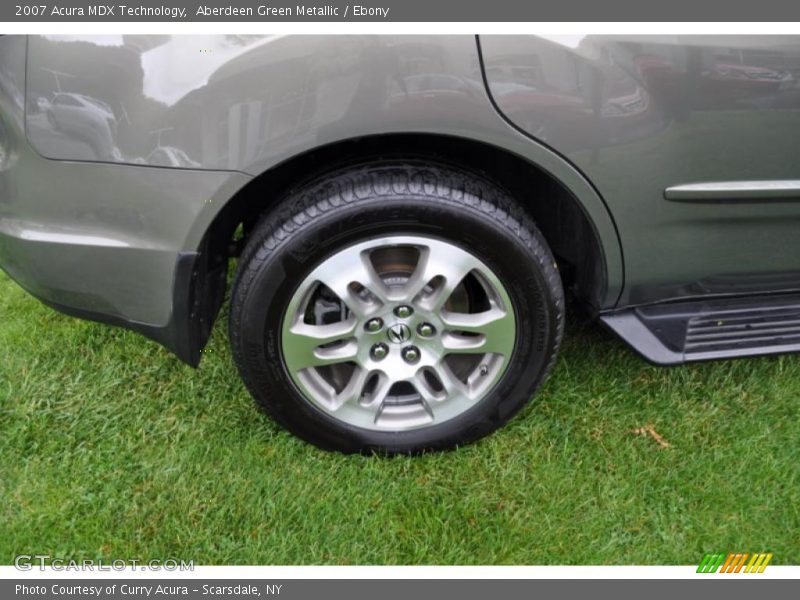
(86, 118)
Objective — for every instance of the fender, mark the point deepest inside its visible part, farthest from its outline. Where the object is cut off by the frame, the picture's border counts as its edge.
(241, 107)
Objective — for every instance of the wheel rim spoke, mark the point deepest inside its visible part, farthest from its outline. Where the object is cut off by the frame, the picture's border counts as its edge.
(378, 395)
(421, 277)
(303, 348)
(353, 395)
(492, 329)
(339, 273)
(450, 271)
(353, 390)
(428, 394)
(452, 385)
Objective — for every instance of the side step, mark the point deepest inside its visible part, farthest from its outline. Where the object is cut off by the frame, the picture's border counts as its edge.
(678, 332)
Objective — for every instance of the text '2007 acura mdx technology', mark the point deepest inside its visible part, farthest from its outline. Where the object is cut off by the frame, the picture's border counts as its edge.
(408, 212)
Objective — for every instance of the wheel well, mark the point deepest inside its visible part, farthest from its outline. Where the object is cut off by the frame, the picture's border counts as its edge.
(556, 212)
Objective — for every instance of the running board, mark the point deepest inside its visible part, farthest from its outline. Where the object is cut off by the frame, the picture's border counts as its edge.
(679, 332)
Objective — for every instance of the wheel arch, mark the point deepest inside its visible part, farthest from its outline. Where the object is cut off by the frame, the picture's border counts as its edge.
(572, 218)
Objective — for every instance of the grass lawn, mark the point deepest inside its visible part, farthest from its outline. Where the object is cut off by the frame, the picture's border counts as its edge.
(110, 447)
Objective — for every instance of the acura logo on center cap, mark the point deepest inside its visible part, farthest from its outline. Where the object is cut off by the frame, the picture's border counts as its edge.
(398, 333)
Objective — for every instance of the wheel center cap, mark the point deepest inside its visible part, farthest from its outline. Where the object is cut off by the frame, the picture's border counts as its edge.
(399, 333)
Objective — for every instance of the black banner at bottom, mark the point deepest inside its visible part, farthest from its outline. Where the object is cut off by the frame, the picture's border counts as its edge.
(383, 589)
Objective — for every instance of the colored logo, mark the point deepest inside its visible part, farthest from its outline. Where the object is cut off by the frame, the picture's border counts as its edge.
(735, 562)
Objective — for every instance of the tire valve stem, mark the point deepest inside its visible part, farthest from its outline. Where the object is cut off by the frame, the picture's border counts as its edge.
(484, 370)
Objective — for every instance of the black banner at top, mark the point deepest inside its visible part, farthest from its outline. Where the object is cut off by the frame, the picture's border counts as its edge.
(399, 11)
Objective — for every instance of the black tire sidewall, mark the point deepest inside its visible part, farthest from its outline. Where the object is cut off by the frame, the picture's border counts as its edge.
(261, 312)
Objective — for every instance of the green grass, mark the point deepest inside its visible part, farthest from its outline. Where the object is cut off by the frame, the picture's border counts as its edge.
(111, 448)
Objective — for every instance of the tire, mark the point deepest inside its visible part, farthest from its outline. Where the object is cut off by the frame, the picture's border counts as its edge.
(438, 211)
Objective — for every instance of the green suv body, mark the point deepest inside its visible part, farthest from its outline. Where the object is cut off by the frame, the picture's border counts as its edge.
(408, 213)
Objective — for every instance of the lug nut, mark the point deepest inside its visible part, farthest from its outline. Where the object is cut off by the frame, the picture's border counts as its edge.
(374, 325)
(410, 354)
(403, 311)
(426, 329)
(379, 351)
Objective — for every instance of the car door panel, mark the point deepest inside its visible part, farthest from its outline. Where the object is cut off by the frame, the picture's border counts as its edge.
(640, 115)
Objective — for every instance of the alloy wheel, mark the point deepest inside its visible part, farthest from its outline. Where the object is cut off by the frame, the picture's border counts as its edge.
(398, 333)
